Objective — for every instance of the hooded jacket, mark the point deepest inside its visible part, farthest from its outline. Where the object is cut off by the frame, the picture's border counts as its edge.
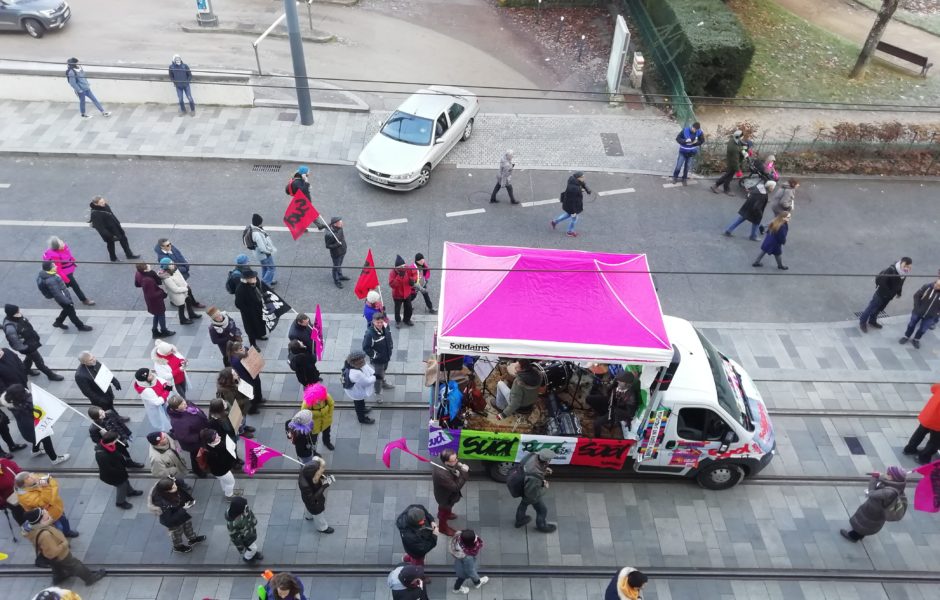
(103, 221)
(55, 287)
(50, 542)
(929, 416)
(313, 493)
(241, 524)
(533, 489)
(417, 540)
(85, 378)
(75, 75)
(303, 334)
(166, 462)
(572, 200)
(872, 514)
(927, 301)
(402, 280)
(180, 74)
(45, 497)
(21, 335)
(63, 259)
(250, 302)
(170, 507)
(889, 283)
(378, 345)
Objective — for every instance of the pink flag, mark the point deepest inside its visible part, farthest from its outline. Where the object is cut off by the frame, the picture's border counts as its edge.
(399, 444)
(256, 455)
(927, 494)
(317, 334)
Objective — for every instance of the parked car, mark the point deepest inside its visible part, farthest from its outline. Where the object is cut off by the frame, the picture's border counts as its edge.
(417, 136)
(34, 16)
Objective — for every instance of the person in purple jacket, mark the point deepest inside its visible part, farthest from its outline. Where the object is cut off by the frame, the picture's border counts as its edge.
(774, 240)
(187, 420)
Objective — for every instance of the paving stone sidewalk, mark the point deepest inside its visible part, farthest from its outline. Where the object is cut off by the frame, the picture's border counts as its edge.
(274, 134)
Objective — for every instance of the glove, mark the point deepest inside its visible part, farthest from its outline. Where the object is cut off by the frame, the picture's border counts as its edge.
(116, 384)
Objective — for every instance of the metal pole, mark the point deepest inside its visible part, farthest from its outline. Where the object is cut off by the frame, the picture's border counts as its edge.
(560, 25)
(310, 15)
(257, 58)
(580, 47)
(538, 15)
(300, 67)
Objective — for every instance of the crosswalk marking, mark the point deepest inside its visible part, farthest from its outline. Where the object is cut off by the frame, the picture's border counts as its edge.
(540, 202)
(461, 213)
(389, 222)
(613, 192)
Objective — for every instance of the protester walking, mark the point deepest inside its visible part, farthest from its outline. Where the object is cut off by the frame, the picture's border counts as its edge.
(423, 269)
(23, 338)
(448, 483)
(418, 533)
(465, 546)
(504, 179)
(299, 430)
(928, 427)
(19, 400)
(264, 250)
(60, 254)
(104, 221)
(222, 330)
(104, 421)
(169, 501)
(6, 437)
(241, 524)
(226, 388)
(177, 291)
(151, 286)
(182, 77)
(170, 365)
(52, 287)
(888, 285)
(774, 240)
(320, 404)
(752, 210)
(690, 139)
(301, 331)
(313, 483)
(336, 244)
(154, 393)
(378, 345)
(402, 280)
(75, 75)
(734, 157)
(216, 459)
(372, 305)
(926, 313)
(9, 503)
(302, 363)
(85, 377)
(235, 275)
(534, 487)
(785, 196)
(627, 584)
(51, 544)
(358, 381)
(186, 424)
(165, 459)
(237, 353)
(250, 303)
(886, 502)
(112, 468)
(165, 249)
(284, 586)
(407, 583)
(572, 202)
(36, 490)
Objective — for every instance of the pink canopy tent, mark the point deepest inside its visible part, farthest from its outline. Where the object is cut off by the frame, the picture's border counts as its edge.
(512, 305)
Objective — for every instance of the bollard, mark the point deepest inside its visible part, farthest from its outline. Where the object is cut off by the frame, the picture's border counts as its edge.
(580, 47)
(560, 25)
(538, 15)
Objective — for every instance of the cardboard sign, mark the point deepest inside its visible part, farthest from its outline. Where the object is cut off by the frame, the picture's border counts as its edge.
(245, 389)
(489, 445)
(235, 415)
(254, 362)
(104, 378)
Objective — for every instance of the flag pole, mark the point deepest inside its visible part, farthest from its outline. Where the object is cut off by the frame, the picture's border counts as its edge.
(328, 228)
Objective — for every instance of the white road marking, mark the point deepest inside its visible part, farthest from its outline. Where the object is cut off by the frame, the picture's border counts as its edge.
(612, 192)
(541, 202)
(14, 223)
(4, 185)
(672, 185)
(461, 213)
(389, 222)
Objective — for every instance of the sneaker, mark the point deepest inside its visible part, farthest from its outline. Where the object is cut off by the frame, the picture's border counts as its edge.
(757, 264)
(462, 590)
(915, 343)
(133, 493)
(783, 267)
(88, 302)
(713, 189)
(60, 325)
(133, 256)
(86, 116)
(105, 114)
(547, 528)
(876, 325)
(190, 504)
(525, 520)
(432, 311)
(238, 492)
(182, 548)
(761, 229)
(61, 458)
(367, 421)
(572, 234)
(727, 234)
(197, 539)
(96, 576)
(71, 534)
(124, 505)
(483, 581)
(33, 372)
(909, 451)
(257, 557)
(328, 530)
(903, 340)
(387, 386)
(846, 535)
(16, 447)
(37, 453)
(410, 323)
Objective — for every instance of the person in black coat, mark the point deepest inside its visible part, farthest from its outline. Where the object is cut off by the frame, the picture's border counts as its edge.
(85, 374)
(302, 331)
(378, 345)
(104, 421)
(249, 299)
(753, 209)
(12, 372)
(418, 533)
(20, 402)
(103, 221)
(172, 500)
(217, 460)
(926, 313)
(572, 202)
(23, 338)
(302, 363)
(336, 244)
(113, 460)
(313, 483)
(888, 286)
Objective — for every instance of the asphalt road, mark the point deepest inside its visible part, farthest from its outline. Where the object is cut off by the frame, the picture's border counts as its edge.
(839, 227)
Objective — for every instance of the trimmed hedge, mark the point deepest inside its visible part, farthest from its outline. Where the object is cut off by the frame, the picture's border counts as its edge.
(548, 3)
(712, 57)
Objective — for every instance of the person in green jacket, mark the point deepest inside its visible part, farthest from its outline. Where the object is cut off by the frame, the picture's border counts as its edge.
(534, 490)
(524, 392)
(241, 524)
(733, 157)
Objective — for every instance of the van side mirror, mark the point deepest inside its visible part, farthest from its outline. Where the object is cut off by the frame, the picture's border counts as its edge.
(727, 439)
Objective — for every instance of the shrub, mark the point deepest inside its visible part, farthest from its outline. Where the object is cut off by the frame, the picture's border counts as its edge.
(712, 50)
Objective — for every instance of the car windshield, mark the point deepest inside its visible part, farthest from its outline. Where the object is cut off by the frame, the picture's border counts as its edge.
(727, 383)
(407, 128)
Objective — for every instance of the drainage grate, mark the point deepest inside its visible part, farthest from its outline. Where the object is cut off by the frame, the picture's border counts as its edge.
(612, 145)
(881, 315)
(287, 116)
(855, 446)
(266, 169)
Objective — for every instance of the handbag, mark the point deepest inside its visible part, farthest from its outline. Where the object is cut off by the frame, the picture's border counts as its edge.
(41, 561)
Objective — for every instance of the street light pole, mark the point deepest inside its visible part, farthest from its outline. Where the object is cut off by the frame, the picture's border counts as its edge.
(300, 66)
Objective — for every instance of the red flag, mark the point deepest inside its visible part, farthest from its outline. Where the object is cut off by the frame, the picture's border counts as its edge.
(300, 214)
(927, 494)
(368, 280)
(317, 333)
(256, 455)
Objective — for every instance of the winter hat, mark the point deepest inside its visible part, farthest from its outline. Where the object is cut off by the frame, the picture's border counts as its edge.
(47, 265)
(256, 220)
(314, 393)
(142, 374)
(166, 261)
(410, 575)
(334, 220)
(163, 347)
(241, 259)
(73, 61)
(578, 174)
(237, 507)
(154, 437)
(896, 473)
(302, 421)
(33, 517)
(11, 309)
(546, 455)
(248, 274)
(625, 377)
(419, 256)
(415, 515)
(372, 297)
(399, 261)
(303, 169)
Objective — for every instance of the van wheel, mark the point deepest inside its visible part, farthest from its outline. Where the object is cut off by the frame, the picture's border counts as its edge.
(34, 28)
(498, 471)
(720, 476)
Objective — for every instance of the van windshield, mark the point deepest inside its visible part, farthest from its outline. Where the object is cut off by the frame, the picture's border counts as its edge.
(728, 384)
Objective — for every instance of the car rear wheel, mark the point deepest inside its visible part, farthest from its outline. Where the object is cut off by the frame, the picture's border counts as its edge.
(720, 476)
(424, 176)
(34, 28)
(467, 131)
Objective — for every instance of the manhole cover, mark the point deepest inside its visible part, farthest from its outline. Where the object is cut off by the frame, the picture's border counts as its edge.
(266, 168)
(855, 446)
(287, 116)
(612, 145)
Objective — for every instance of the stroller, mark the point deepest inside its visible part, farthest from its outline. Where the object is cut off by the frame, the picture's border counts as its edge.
(758, 170)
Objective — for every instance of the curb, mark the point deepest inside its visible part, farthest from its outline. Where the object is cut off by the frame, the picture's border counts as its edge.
(329, 106)
(171, 156)
(322, 38)
(337, 2)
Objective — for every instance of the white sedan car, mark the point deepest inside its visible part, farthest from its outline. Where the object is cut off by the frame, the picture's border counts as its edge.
(417, 136)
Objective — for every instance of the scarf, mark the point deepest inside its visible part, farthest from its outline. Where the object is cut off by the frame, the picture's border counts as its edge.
(474, 548)
(897, 267)
(102, 444)
(191, 409)
(221, 327)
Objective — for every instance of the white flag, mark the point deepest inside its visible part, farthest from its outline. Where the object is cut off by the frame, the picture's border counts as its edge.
(46, 411)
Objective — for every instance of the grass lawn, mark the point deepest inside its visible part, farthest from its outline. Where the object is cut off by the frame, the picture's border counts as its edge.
(929, 23)
(795, 60)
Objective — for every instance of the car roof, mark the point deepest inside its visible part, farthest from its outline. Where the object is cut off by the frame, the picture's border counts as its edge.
(431, 102)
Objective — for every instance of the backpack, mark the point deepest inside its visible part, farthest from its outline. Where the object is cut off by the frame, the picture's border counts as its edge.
(231, 284)
(897, 509)
(344, 378)
(42, 287)
(516, 480)
(248, 239)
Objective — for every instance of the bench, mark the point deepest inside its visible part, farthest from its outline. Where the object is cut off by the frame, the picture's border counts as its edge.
(917, 59)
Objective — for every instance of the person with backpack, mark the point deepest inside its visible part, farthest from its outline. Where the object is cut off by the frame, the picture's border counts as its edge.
(23, 338)
(572, 202)
(926, 313)
(527, 482)
(465, 546)
(154, 299)
(75, 75)
(418, 533)
(169, 501)
(690, 139)
(358, 380)
(447, 484)
(52, 545)
(260, 242)
(888, 285)
(336, 244)
(222, 330)
(52, 287)
(886, 502)
(241, 524)
(103, 220)
(235, 275)
(377, 344)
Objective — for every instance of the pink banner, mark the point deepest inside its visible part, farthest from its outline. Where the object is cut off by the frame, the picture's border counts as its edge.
(317, 333)
(399, 444)
(927, 494)
(256, 455)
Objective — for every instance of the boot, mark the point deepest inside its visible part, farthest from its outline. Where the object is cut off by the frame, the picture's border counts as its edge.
(155, 333)
(361, 412)
(167, 333)
(52, 375)
(546, 527)
(442, 525)
(328, 443)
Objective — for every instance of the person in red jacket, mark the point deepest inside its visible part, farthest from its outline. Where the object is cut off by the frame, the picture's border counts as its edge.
(8, 471)
(402, 280)
(929, 427)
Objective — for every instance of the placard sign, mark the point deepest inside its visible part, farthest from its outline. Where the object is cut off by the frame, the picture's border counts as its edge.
(601, 453)
(489, 445)
(563, 447)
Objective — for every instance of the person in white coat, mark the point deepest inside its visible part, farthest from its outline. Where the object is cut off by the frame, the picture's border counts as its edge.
(170, 365)
(358, 384)
(154, 392)
(177, 290)
(264, 250)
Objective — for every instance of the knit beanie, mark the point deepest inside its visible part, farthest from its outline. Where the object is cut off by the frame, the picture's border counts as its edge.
(11, 309)
(399, 261)
(154, 437)
(142, 374)
(302, 421)
(256, 220)
(241, 259)
(419, 256)
(372, 297)
(897, 473)
(166, 261)
(314, 393)
(303, 169)
(47, 265)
